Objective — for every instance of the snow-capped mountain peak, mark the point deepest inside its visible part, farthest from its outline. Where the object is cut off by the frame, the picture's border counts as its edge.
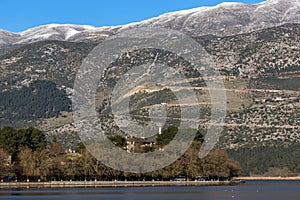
(52, 32)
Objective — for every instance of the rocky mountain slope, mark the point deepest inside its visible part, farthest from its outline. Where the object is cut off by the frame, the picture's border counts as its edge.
(247, 58)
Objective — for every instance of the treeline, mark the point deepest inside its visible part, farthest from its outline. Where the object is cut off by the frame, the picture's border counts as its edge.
(13, 140)
(41, 99)
(36, 159)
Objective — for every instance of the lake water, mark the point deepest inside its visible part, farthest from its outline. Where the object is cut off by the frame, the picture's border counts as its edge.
(258, 190)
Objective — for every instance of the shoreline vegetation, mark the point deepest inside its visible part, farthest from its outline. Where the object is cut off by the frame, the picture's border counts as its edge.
(30, 161)
(27, 155)
(66, 184)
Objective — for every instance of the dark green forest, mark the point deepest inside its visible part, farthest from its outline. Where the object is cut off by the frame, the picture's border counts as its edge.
(41, 99)
(13, 140)
(259, 160)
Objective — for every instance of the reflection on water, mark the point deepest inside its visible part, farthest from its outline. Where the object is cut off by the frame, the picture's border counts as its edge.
(258, 190)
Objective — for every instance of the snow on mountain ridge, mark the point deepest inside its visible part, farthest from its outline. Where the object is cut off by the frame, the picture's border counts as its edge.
(229, 18)
(57, 26)
(7, 37)
(225, 19)
(52, 31)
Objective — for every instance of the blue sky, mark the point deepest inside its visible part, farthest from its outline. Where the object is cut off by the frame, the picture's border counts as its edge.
(19, 15)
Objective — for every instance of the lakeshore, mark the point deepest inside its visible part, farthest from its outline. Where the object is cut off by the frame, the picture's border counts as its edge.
(78, 184)
(260, 178)
(258, 191)
(58, 184)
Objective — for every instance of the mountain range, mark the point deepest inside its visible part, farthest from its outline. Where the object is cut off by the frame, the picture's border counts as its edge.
(222, 20)
(255, 48)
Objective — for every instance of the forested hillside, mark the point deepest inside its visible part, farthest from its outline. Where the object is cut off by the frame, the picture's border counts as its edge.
(40, 99)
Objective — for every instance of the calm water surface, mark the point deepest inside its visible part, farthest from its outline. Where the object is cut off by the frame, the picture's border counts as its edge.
(258, 190)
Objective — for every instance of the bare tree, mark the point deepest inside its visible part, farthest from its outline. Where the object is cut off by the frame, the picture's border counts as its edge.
(27, 162)
(5, 164)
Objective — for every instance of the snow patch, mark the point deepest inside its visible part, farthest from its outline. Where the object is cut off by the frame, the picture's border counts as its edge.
(70, 33)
